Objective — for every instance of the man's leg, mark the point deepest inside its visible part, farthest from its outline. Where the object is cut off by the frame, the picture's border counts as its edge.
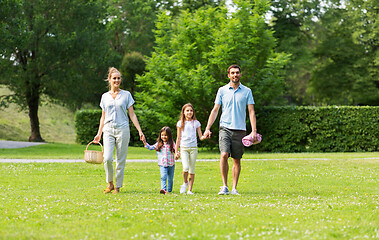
(237, 153)
(236, 171)
(225, 142)
(224, 167)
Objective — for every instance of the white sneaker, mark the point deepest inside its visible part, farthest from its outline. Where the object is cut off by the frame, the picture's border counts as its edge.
(234, 192)
(223, 191)
(183, 188)
(189, 192)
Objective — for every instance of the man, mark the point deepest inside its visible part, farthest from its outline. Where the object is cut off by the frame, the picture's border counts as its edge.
(233, 97)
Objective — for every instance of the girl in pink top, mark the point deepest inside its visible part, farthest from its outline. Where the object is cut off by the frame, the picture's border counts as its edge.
(165, 148)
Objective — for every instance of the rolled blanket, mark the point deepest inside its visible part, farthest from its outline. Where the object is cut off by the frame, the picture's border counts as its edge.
(248, 140)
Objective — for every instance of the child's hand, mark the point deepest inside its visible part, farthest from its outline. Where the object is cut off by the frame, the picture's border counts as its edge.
(203, 138)
(177, 156)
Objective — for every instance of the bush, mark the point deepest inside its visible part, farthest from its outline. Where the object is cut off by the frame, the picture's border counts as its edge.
(87, 125)
(318, 129)
(284, 129)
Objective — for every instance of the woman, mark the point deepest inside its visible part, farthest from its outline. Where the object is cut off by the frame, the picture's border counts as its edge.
(114, 123)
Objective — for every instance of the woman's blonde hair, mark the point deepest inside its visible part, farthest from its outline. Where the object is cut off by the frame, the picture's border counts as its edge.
(112, 70)
(183, 118)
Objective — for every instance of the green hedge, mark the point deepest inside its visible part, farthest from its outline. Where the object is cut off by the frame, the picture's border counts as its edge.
(87, 124)
(287, 129)
(318, 129)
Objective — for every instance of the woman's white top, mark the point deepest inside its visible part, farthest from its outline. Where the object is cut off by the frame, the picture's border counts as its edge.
(116, 110)
(189, 137)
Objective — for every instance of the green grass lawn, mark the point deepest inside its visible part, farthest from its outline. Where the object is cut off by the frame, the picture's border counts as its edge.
(76, 151)
(280, 199)
(56, 121)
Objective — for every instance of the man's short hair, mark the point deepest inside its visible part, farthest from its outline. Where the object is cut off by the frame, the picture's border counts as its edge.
(234, 66)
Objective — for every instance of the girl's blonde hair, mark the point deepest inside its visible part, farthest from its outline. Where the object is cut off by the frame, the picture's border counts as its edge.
(170, 140)
(183, 118)
(112, 70)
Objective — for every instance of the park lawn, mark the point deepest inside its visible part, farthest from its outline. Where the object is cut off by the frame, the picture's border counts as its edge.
(76, 151)
(280, 199)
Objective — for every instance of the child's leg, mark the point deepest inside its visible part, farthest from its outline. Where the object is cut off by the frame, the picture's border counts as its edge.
(185, 161)
(191, 180)
(170, 184)
(192, 162)
(163, 177)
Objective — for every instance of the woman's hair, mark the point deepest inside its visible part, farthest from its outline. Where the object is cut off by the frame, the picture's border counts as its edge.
(169, 139)
(183, 118)
(111, 70)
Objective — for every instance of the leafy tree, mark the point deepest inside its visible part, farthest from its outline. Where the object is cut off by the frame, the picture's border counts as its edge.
(191, 57)
(133, 64)
(132, 23)
(193, 5)
(294, 22)
(347, 54)
(53, 48)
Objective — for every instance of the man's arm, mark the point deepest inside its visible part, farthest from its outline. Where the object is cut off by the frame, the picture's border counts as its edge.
(253, 121)
(211, 120)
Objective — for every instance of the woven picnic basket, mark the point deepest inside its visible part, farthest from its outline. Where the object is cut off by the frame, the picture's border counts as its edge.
(92, 156)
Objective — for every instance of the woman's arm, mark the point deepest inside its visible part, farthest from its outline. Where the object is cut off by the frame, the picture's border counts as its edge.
(100, 131)
(134, 119)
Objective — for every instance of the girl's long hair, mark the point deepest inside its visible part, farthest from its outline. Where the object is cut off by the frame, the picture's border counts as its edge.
(169, 139)
(183, 118)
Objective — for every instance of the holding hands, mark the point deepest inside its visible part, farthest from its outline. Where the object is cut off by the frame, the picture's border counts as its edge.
(207, 135)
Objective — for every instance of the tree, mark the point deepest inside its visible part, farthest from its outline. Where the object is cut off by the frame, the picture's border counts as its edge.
(294, 23)
(52, 48)
(132, 22)
(191, 57)
(133, 64)
(347, 54)
(193, 5)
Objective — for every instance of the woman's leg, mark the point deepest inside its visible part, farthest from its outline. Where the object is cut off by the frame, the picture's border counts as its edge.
(109, 144)
(122, 143)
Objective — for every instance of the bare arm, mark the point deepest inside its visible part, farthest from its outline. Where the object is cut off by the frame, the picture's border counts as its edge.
(177, 144)
(101, 126)
(253, 121)
(211, 120)
(134, 119)
(200, 133)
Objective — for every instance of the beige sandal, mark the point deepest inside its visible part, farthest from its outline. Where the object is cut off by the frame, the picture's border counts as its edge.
(108, 190)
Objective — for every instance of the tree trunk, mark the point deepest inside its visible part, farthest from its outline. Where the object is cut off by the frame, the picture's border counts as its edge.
(33, 104)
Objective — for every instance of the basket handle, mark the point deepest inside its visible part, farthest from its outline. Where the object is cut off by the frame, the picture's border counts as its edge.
(96, 143)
